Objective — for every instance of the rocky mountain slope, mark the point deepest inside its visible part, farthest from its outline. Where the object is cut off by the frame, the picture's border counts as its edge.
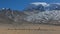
(10, 16)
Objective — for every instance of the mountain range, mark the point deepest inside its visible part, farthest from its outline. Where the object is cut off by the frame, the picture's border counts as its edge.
(35, 13)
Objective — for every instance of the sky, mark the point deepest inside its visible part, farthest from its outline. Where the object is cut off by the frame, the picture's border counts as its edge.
(21, 4)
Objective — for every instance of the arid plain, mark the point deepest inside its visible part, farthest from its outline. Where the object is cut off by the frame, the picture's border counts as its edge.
(29, 29)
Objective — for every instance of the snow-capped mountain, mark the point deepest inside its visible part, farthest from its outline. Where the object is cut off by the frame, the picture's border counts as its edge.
(50, 13)
(37, 6)
(42, 6)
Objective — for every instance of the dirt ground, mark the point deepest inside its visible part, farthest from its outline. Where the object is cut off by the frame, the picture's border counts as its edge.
(29, 29)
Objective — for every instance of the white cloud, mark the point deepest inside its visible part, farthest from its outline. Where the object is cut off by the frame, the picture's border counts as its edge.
(38, 3)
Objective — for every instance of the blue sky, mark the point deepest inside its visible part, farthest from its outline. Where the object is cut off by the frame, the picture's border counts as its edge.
(21, 4)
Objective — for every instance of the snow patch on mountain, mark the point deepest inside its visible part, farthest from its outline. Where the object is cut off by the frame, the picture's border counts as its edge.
(45, 17)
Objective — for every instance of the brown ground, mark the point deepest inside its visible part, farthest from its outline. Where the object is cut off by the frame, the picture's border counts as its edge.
(29, 29)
